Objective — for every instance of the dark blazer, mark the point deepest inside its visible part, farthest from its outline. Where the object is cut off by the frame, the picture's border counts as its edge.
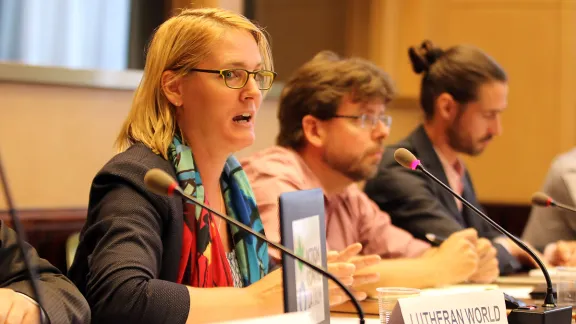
(420, 205)
(62, 302)
(127, 260)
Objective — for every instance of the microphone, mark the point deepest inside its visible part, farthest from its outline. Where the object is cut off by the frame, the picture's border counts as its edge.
(543, 200)
(548, 313)
(21, 239)
(161, 183)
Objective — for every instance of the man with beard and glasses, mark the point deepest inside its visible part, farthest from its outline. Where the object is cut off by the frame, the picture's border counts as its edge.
(332, 128)
(463, 93)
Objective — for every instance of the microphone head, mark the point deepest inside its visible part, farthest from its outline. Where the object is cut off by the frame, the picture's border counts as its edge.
(406, 159)
(542, 199)
(160, 182)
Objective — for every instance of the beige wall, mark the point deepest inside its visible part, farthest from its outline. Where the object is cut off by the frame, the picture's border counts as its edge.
(54, 139)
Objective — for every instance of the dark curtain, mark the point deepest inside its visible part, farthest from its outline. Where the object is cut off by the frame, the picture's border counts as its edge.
(145, 17)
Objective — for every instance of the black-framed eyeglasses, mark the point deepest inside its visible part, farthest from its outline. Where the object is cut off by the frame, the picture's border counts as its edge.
(370, 120)
(237, 78)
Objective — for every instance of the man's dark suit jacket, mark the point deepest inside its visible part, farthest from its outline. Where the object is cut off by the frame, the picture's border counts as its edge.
(127, 260)
(62, 302)
(420, 205)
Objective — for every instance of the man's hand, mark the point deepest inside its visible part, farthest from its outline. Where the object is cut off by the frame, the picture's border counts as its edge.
(270, 288)
(561, 253)
(457, 257)
(350, 256)
(488, 269)
(16, 308)
(522, 256)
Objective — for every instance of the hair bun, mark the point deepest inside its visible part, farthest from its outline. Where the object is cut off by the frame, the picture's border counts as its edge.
(424, 56)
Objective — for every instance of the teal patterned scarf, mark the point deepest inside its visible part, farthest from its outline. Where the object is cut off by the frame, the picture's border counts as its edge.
(203, 260)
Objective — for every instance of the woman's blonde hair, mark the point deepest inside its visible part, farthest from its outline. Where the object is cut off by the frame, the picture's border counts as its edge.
(179, 44)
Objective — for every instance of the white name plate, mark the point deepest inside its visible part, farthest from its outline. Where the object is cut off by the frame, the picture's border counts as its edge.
(468, 308)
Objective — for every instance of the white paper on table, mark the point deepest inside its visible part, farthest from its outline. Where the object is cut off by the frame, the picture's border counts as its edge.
(352, 320)
(457, 289)
(522, 291)
(296, 317)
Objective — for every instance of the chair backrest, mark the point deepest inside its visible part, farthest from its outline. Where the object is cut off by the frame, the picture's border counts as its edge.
(71, 246)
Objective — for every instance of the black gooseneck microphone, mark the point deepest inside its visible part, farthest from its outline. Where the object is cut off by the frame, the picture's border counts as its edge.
(543, 200)
(21, 238)
(161, 183)
(548, 313)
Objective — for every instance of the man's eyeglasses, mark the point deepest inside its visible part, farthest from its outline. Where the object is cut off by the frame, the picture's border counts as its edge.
(237, 78)
(368, 120)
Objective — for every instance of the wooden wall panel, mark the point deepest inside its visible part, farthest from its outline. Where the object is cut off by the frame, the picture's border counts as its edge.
(175, 5)
(534, 40)
(568, 73)
(48, 230)
(299, 29)
(525, 37)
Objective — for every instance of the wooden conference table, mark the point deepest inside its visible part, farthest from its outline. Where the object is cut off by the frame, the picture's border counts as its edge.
(518, 286)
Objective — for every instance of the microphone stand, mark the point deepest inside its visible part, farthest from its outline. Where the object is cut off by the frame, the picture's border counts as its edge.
(549, 299)
(548, 313)
(21, 239)
(279, 247)
(562, 206)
